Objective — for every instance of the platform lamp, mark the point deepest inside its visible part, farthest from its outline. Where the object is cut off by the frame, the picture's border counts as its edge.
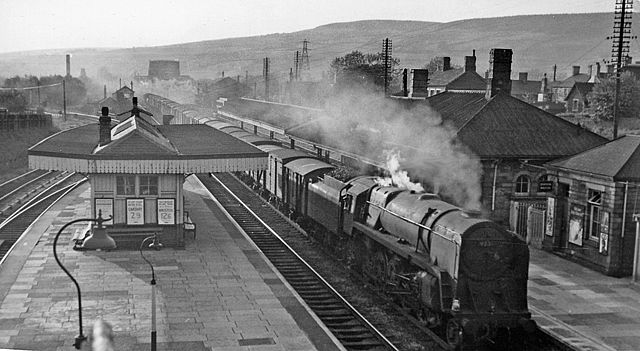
(80, 338)
(156, 245)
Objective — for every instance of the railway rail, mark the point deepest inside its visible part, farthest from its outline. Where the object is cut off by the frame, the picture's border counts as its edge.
(342, 319)
(12, 228)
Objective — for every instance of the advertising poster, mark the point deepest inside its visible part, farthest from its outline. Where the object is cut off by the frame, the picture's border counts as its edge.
(166, 211)
(576, 224)
(104, 207)
(604, 233)
(135, 211)
(551, 208)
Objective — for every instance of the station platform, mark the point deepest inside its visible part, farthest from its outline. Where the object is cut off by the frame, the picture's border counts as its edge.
(581, 307)
(218, 293)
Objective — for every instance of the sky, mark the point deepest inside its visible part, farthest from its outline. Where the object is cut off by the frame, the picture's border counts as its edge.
(67, 24)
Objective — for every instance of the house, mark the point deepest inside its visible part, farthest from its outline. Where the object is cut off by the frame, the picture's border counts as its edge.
(578, 97)
(525, 89)
(590, 216)
(561, 89)
(459, 79)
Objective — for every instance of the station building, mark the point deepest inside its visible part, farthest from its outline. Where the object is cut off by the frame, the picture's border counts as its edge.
(137, 169)
(592, 218)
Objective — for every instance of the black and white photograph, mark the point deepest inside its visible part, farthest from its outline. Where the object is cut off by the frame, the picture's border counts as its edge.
(283, 175)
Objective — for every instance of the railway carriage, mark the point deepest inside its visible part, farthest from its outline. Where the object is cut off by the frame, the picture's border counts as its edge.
(461, 274)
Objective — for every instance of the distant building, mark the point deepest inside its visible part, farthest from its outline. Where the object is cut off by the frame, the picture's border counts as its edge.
(163, 70)
(464, 79)
(561, 89)
(578, 99)
(525, 89)
(209, 91)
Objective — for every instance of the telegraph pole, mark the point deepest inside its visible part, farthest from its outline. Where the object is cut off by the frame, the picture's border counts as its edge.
(305, 56)
(296, 63)
(386, 51)
(265, 73)
(621, 37)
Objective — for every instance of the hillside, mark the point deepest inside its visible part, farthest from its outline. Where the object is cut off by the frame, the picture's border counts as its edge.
(538, 42)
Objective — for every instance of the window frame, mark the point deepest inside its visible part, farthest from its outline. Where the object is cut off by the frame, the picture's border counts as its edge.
(126, 185)
(594, 210)
(519, 184)
(142, 185)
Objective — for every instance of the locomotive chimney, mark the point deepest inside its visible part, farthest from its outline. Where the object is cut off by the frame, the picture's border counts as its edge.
(105, 127)
(499, 79)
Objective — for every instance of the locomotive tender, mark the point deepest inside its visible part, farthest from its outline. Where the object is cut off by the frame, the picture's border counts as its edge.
(461, 274)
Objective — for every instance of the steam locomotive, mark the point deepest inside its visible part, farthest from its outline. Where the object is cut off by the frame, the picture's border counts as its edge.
(458, 273)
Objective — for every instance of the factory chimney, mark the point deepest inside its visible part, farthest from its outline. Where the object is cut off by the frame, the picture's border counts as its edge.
(499, 79)
(68, 66)
(105, 127)
(470, 63)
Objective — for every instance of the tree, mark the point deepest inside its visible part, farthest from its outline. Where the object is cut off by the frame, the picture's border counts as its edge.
(602, 98)
(361, 69)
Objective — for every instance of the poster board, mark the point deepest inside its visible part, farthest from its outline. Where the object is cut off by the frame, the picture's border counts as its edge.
(551, 210)
(135, 211)
(104, 207)
(603, 248)
(166, 211)
(576, 224)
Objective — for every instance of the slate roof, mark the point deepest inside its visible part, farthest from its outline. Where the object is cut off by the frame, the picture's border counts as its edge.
(507, 127)
(568, 83)
(457, 79)
(191, 141)
(618, 159)
(582, 88)
(519, 87)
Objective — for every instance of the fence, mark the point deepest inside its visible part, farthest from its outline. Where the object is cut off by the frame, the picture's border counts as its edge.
(24, 120)
(526, 218)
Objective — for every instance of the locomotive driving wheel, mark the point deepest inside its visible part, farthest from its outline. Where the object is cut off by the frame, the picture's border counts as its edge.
(454, 334)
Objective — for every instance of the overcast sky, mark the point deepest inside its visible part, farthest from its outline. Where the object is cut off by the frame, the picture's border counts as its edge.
(61, 24)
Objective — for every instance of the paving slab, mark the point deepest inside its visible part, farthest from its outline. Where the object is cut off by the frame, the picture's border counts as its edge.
(584, 308)
(218, 293)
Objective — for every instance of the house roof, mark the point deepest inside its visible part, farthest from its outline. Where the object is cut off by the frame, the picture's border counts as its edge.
(505, 126)
(582, 88)
(525, 87)
(148, 148)
(125, 88)
(568, 83)
(618, 159)
(469, 80)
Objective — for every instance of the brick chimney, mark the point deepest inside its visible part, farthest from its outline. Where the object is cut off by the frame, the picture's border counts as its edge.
(444, 63)
(499, 78)
(470, 63)
(418, 85)
(523, 76)
(576, 70)
(590, 70)
(68, 66)
(105, 127)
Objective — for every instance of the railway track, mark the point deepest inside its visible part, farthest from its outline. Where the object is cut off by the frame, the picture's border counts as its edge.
(342, 319)
(17, 223)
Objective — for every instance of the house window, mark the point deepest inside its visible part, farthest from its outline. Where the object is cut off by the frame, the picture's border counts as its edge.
(576, 105)
(148, 185)
(522, 185)
(126, 185)
(594, 202)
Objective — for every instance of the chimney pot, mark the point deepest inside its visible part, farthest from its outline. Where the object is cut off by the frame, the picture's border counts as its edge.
(576, 70)
(523, 76)
(499, 72)
(105, 127)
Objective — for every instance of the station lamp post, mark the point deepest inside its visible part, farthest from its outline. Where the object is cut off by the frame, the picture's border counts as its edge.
(156, 245)
(80, 338)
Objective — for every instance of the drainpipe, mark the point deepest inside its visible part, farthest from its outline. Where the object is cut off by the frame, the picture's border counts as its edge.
(624, 219)
(493, 192)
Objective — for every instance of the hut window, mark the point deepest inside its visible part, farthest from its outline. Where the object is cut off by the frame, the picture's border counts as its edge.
(522, 185)
(148, 185)
(126, 185)
(594, 202)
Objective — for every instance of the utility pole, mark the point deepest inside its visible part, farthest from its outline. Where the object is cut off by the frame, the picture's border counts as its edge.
(305, 56)
(296, 63)
(621, 37)
(265, 73)
(386, 51)
(64, 99)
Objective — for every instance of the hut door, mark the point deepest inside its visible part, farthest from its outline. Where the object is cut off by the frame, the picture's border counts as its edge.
(562, 209)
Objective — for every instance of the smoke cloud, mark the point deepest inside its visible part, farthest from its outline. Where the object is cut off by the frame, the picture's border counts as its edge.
(410, 138)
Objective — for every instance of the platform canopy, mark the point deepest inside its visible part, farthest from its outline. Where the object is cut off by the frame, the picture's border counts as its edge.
(138, 147)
